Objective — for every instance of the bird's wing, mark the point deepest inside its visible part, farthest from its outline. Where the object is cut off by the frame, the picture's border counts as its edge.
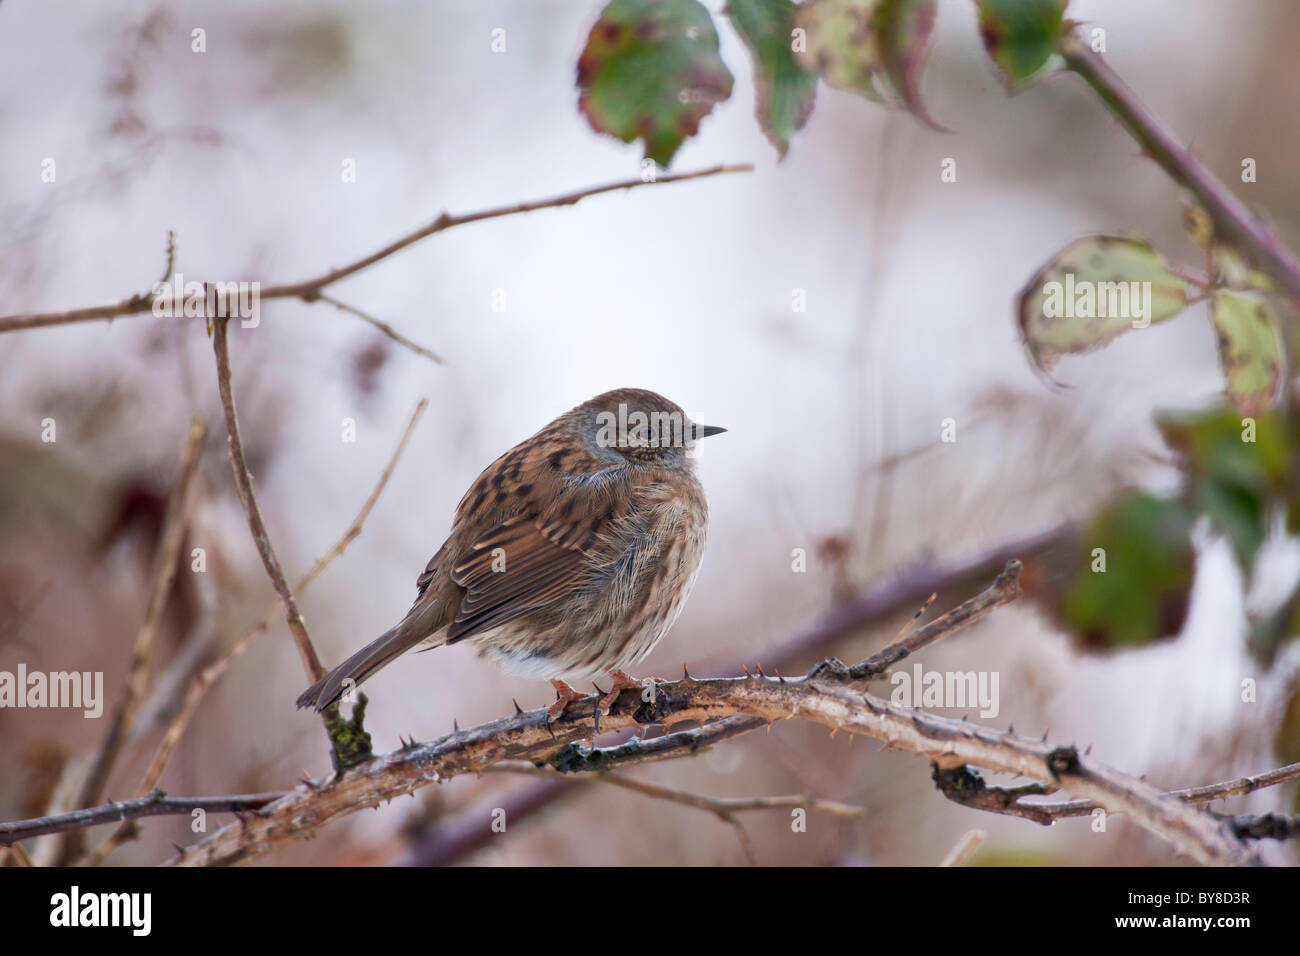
(518, 567)
(524, 561)
(523, 530)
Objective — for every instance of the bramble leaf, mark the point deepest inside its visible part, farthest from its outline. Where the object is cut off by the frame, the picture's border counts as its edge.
(1020, 35)
(1234, 469)
(840, 44)
(651, 71)
(1091, 291)
(785, 90)
(1123, 580)
(1249, 351)
(904, 30)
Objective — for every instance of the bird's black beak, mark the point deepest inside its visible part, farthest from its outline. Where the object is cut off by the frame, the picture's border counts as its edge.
(704, 431)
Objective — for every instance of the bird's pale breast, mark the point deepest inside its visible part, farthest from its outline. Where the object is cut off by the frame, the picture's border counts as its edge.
(636, 579)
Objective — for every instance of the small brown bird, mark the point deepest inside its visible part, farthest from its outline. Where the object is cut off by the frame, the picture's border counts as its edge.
(572, 553)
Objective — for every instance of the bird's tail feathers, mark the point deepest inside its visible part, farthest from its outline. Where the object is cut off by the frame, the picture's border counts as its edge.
(384, 649)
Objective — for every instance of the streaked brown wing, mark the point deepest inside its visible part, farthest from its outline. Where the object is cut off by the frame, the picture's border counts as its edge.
(517, 568)
(430, 571)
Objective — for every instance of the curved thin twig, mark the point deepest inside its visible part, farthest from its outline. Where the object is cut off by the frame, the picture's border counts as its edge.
(309, 289)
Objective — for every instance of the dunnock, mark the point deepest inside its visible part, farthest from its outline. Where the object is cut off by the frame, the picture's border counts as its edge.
(572, 553)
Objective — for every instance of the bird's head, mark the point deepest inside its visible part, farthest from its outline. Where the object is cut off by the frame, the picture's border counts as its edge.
(640, 427)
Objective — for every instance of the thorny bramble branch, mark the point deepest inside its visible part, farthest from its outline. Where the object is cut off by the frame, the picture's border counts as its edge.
(829, 696)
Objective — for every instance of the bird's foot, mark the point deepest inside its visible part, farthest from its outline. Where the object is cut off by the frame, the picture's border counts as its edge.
(622, 681)
(565, 695)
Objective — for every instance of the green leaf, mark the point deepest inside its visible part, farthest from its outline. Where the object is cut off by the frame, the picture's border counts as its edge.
(1232, 270)
(1249, 350)
(651, 71)
(1142, 594)
(785, 89)
(1093, 290)
(1020, 35)
(1218, 444)
(838, 43)
(1234, 469)
(904, 30)
(1240, 513)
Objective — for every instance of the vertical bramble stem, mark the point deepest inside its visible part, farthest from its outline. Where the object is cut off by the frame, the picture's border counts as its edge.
(1234, 222)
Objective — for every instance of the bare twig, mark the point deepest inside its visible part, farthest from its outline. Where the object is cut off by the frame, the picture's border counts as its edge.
(167, 555)
(1234, 222)
(962, 851)
(382, 326)
(154, 804)
(1004, 589)
(16, 853)
(200, 684)
(725, 808)
(244, 483)
(1241, 786)
(359, 521)
(309, 289)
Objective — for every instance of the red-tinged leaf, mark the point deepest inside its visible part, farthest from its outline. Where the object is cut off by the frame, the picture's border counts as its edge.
(837, 41)
(651, 71)
(1020, 35)
(904, 29)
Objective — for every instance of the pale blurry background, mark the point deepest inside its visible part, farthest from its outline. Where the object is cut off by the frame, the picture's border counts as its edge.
(685, 289)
